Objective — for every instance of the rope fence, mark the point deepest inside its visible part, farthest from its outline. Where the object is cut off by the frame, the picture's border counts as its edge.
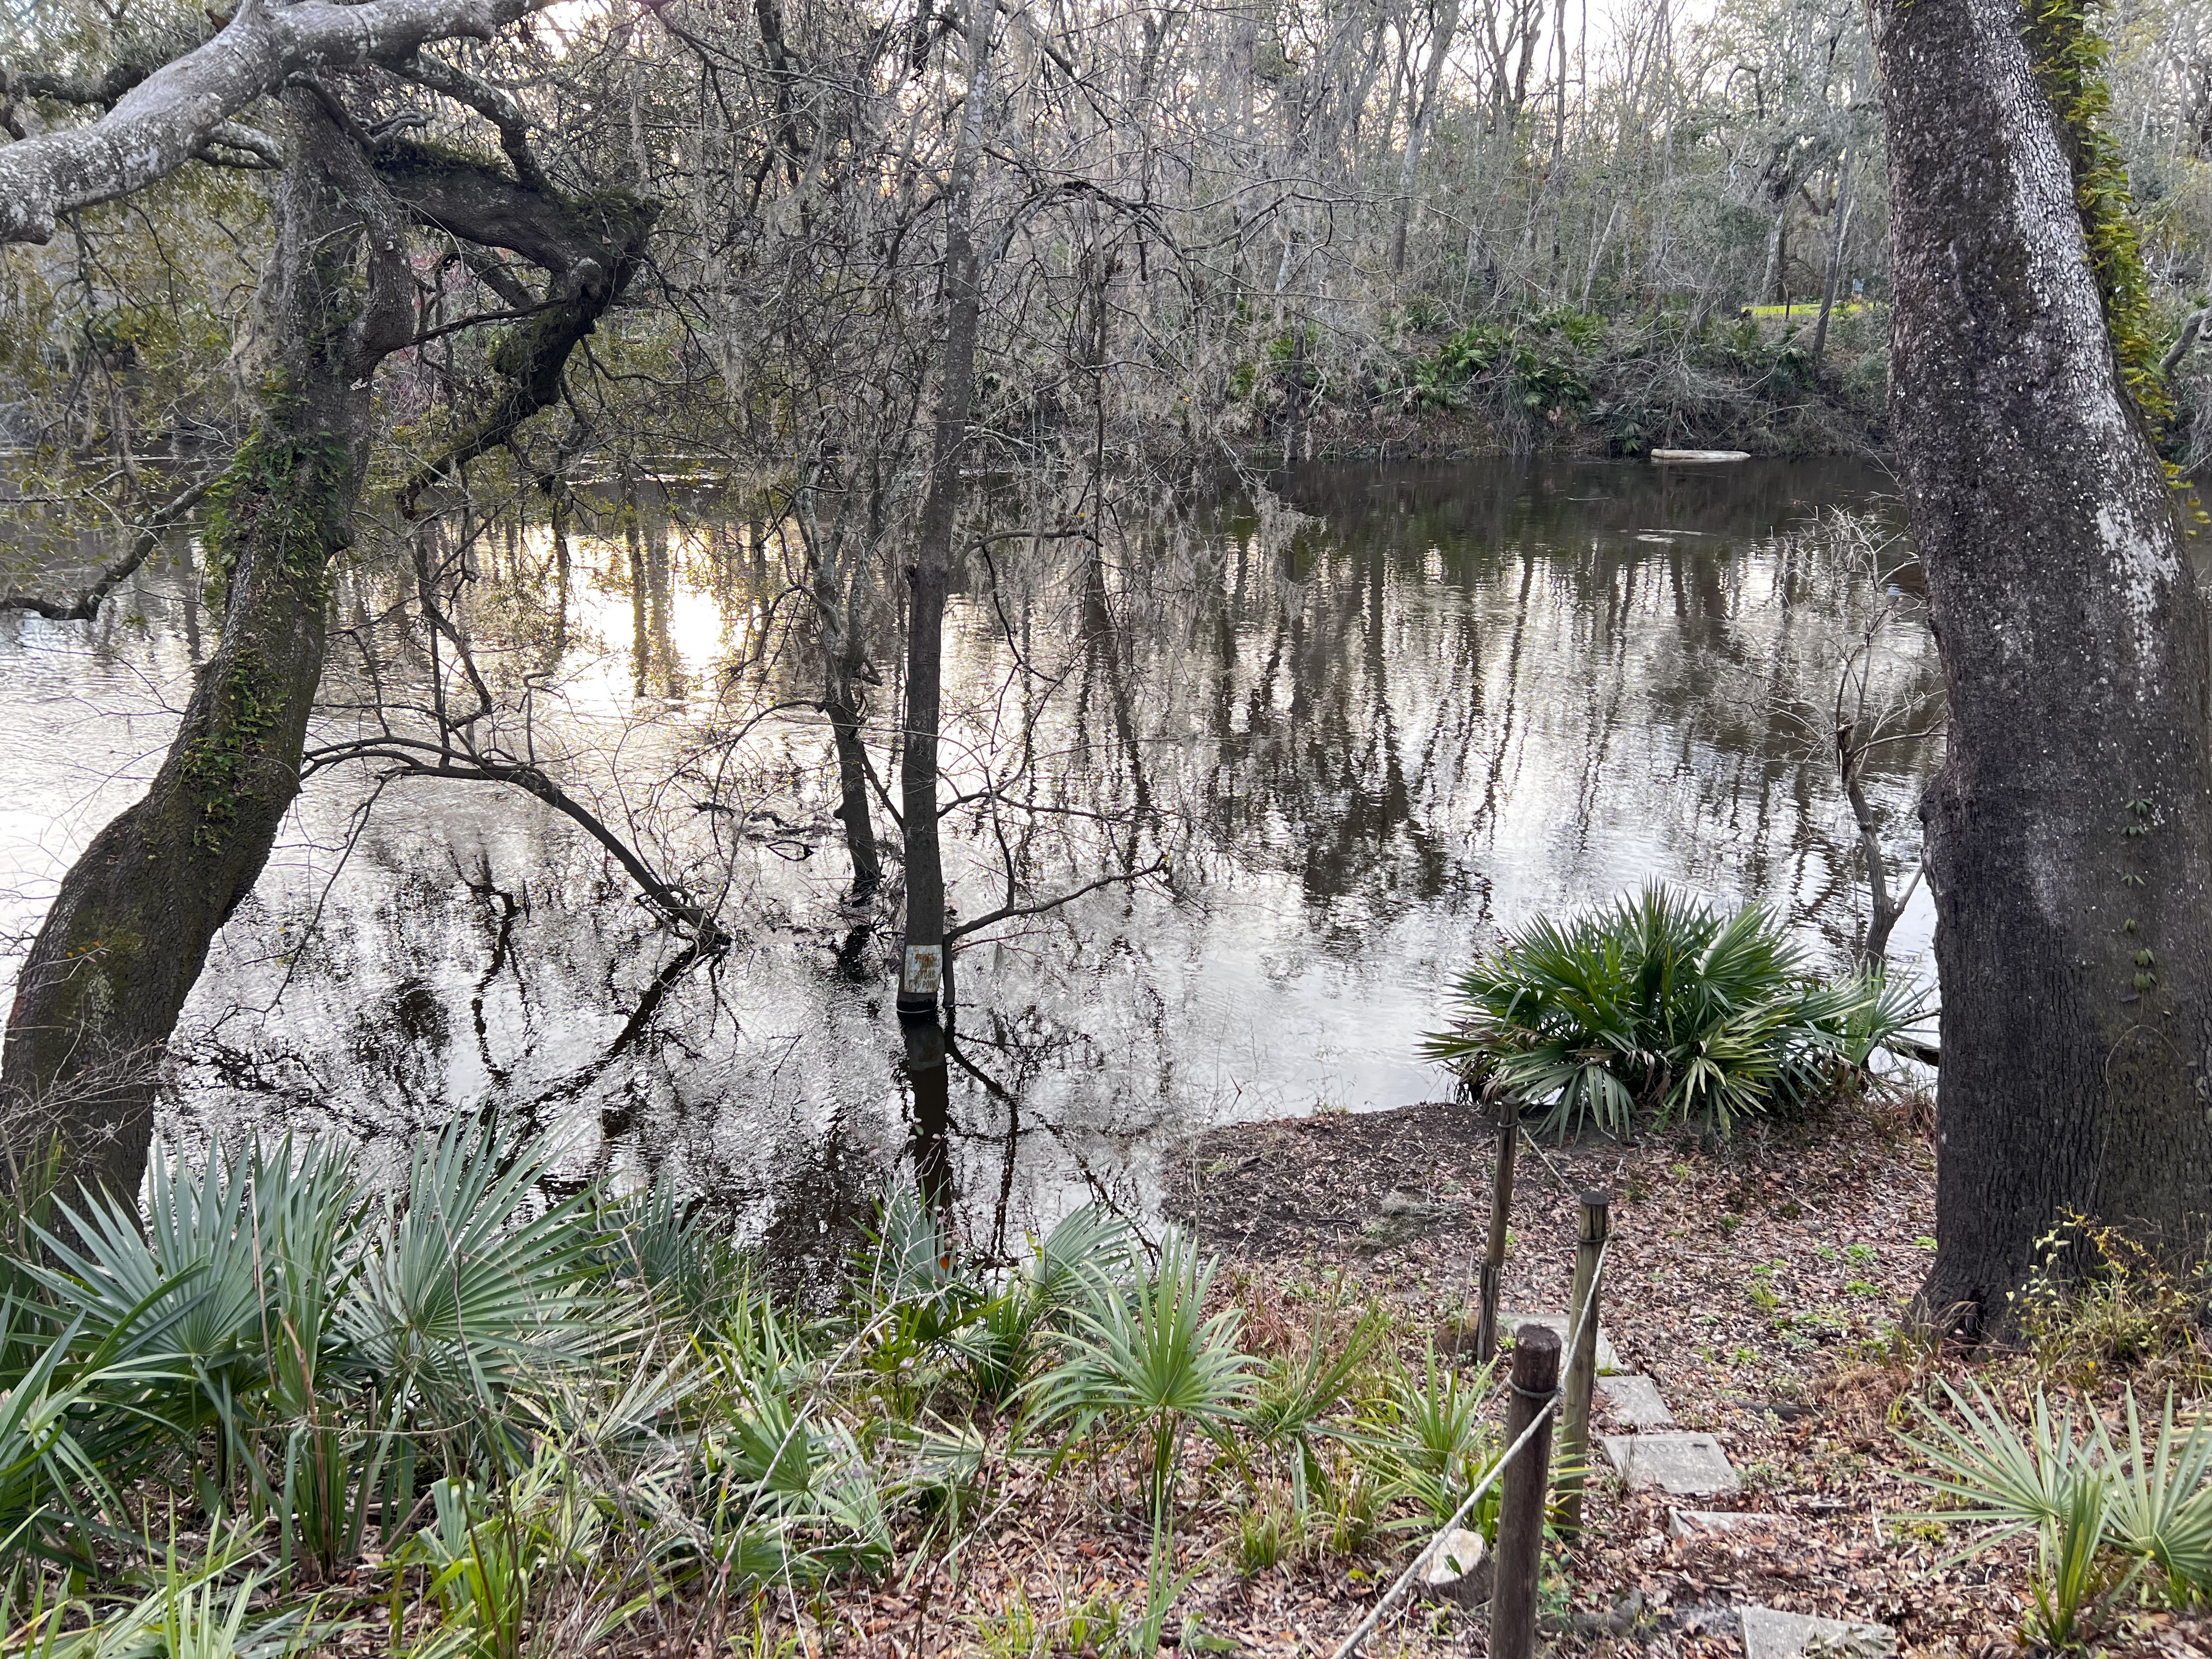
(1536, 1424)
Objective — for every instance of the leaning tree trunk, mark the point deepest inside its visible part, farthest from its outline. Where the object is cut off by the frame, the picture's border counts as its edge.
(101, 988)
(2070, 832)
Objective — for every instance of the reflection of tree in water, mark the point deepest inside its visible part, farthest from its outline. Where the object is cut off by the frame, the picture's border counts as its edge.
(1379, 708)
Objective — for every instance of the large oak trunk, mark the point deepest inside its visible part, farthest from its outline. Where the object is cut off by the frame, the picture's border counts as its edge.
(101, 988)
(2069, 844)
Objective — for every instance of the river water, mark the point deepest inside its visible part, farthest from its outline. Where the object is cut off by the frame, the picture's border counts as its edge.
(1369, 717)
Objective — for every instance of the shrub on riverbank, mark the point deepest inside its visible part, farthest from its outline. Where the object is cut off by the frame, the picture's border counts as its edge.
(462, 1418)
(1563, 378)
(1659, 1009)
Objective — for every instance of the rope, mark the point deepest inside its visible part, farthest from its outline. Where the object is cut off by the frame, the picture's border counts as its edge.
(1367, 1629)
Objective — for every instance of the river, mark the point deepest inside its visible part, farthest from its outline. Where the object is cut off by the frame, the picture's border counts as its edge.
(1368, 717)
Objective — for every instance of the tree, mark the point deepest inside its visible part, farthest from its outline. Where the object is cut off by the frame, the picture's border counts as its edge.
(929, 578)
(127, 934)
(2069, 831)
(99, 994)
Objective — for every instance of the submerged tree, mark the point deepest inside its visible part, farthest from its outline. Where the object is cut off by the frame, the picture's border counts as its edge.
(2069, 831)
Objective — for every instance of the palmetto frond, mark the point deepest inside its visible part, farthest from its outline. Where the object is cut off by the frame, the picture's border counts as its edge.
(1659, 1006)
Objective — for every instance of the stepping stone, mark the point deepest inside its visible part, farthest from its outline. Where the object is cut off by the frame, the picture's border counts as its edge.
(1699, 1523)
(1635, 1401)
(1770, 1633)
(1682, 1465)
(1608, 1362)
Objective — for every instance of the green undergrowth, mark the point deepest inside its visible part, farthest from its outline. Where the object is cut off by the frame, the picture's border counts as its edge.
(2085, 1434)
(2120, 1518)
(466, 1414)
(1562, 377)
(1659, 1009)
(2101, 1305)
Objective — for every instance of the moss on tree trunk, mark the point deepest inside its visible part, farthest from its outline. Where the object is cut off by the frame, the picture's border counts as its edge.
(128, 932)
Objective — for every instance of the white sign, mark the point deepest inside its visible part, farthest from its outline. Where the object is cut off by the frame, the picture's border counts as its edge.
(923, 964)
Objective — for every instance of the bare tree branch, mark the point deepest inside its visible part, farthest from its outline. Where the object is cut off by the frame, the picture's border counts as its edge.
(493, 103)
(1008, 912)
(86, 605)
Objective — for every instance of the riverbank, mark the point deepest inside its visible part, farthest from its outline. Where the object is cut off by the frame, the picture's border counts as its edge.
(1565, 381)
(1759, 1284)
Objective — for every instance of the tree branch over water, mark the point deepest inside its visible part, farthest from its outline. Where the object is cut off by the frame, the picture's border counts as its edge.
(143, 542)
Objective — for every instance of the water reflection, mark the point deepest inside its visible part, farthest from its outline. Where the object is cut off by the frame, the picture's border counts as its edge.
(1363, 721)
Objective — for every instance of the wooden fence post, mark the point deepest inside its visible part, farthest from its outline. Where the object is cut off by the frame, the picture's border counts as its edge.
(1582, 1363)
(1522, 1493)
(1492, 1271)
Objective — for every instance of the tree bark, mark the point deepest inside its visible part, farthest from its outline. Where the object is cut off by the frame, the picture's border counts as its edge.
(119, 951)
(2070, 843)
(589, 247)
(166, 119)
(1417, 136)
(1847, 168)
(929, 578)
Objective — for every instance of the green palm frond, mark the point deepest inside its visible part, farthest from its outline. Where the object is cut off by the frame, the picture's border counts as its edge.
(221, 1310)
(1146, 1354)
(2161, 1506)
(1660, 1006)
(464, 1292)
(2100, 1512)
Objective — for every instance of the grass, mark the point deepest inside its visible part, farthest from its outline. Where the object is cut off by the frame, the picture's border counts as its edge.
(1659, 1009)
(1811, 308)
(541, 1424)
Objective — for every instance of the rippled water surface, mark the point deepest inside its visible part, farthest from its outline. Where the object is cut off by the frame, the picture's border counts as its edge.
(1368, 719)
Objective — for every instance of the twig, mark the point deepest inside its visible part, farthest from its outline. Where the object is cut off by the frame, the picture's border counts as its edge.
(1007, 912)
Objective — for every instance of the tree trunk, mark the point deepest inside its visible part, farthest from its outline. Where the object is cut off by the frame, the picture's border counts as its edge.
(1773, 255)
(1846, 168)
(119, 951)
(841, 702)
(1417, 136)
(2069, 844)
(930, 576)
(836, 604)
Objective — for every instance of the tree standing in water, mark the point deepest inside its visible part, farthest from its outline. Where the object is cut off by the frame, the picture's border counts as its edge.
(99, 994)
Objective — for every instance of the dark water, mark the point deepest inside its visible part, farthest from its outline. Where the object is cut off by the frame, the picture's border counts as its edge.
(1368, 720)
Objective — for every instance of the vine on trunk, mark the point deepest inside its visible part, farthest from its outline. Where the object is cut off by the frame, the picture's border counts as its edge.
(2068, 56)
(287, 489)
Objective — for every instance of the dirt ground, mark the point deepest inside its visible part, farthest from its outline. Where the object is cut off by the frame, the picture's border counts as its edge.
(1757, 1282)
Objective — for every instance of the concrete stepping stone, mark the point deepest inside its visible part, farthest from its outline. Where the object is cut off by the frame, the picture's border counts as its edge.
(1681, 1464)
(1636, 1401)
(1770, 1633)
(1608, 1362)
(1699, 1523)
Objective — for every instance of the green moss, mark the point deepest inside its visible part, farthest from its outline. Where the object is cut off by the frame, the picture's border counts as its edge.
(285, 491)
(2068, 56)
(215, 763)
(285, 495)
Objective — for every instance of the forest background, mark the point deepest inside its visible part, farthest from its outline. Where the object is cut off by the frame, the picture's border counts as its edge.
(1251, 230)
